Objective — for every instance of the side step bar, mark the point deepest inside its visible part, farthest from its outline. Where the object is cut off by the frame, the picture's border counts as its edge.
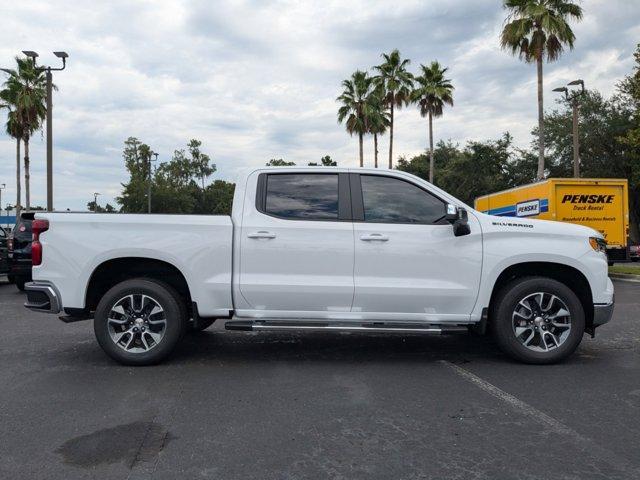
(377, 327)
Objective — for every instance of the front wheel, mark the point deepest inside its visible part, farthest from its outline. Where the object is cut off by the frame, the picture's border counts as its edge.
(538, 320)
(139, 321)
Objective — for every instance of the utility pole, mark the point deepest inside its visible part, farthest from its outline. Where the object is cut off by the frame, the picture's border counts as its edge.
(575, 105)
(95, 202)
(2, 187)
(49, 78)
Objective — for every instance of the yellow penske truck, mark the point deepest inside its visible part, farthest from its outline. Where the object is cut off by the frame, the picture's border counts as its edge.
(599, 203)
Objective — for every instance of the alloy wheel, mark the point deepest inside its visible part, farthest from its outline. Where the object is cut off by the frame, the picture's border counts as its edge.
(541, 321)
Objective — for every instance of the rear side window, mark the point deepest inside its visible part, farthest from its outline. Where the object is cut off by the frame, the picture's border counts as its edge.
(392, 200)
(302, 196)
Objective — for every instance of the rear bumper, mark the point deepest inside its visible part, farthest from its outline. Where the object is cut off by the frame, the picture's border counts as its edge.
(602, 313)
(42, 297)
(20, 268)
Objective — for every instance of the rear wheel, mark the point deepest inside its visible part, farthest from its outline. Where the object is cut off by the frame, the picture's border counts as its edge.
(20, 282)
(139, 321)
(538, 320)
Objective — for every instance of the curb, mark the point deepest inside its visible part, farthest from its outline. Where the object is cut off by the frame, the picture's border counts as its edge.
(625, 277)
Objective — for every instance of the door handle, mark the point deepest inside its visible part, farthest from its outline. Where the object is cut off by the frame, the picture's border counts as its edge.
(261, 234)
(374, 237)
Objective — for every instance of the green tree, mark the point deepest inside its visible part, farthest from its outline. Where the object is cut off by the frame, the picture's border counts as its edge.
(396, 83)
(25, 91)
(201, 163)
(325, 161)
(14, 130)
(354, 108)
(136, 159)
(477, 169)
(219, 198)
(533, 30)
(93, 207)
(378, 118)
(433, 90)
(278, 162)
(604, 149)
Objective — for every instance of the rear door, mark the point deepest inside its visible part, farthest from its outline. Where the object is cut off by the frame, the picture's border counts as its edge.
(408, 263)
(600, 207)
(297, 250)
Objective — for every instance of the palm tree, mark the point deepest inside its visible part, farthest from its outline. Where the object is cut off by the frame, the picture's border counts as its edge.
(535, 29)
(397, 83)
(378, 118)
(14, 130)
(431, 94)
(25, 90)
(354, 106)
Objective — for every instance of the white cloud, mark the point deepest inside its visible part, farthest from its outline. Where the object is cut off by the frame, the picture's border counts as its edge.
(256, 79)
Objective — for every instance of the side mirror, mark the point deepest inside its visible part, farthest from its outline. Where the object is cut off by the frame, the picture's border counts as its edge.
(458, 217)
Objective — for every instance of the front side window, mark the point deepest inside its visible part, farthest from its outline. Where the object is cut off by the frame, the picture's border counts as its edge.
(392, 200)
(302, 196)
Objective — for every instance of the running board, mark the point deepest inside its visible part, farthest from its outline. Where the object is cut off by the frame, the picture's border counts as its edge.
(377, 327)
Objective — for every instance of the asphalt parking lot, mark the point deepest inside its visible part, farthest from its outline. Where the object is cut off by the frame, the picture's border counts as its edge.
(233, 405)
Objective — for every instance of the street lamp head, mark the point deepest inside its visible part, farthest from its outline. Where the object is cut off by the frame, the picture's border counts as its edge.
(576, 82)
(62, 55)
(560, 89)
(6, 70)
(31, 54)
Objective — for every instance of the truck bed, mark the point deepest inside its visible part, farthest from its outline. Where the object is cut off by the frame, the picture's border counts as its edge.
(200, 246)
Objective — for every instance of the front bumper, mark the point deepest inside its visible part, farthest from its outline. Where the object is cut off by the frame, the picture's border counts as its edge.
(42, 297)
(602, 313)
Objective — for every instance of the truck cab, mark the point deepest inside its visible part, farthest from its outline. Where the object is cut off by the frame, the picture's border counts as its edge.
(324, 248)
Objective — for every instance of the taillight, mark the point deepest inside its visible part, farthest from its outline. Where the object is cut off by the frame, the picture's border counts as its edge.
(10, 243)
(37, 227)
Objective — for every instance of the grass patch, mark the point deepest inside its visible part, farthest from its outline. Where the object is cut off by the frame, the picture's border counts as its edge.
(630, 270)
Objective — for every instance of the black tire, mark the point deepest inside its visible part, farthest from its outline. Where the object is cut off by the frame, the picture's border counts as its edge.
(175, 315)
(203, 324)
(20, 282)
(634, 259)
(502, 324)
(11, 279)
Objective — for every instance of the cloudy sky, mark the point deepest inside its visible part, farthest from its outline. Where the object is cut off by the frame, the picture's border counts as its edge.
(257, 79)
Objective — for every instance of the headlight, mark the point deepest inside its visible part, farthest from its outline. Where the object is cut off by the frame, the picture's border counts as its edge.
(598, 244)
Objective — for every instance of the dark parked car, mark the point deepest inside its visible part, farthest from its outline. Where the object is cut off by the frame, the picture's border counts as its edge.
(4, 264)
(20, 252)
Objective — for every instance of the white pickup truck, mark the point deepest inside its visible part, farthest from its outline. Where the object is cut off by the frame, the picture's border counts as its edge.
(323, 249)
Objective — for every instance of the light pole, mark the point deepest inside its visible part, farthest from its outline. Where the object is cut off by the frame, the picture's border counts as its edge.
(2, 187)
(149, 183)
(573, 97)
(63, 55)
(95, 202)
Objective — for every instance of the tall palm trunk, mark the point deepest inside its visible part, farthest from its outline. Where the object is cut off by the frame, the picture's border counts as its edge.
(540, 174)
(27, 174)
(431, 162)
(375, 149)
(390, 138)
(361, 151)
(18, 179)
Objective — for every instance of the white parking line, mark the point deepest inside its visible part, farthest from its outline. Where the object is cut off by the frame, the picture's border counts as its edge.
(516, 403)
(542, 418)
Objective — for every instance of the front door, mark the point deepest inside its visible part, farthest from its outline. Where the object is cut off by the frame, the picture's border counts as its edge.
(408, 263)
(297, 250)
